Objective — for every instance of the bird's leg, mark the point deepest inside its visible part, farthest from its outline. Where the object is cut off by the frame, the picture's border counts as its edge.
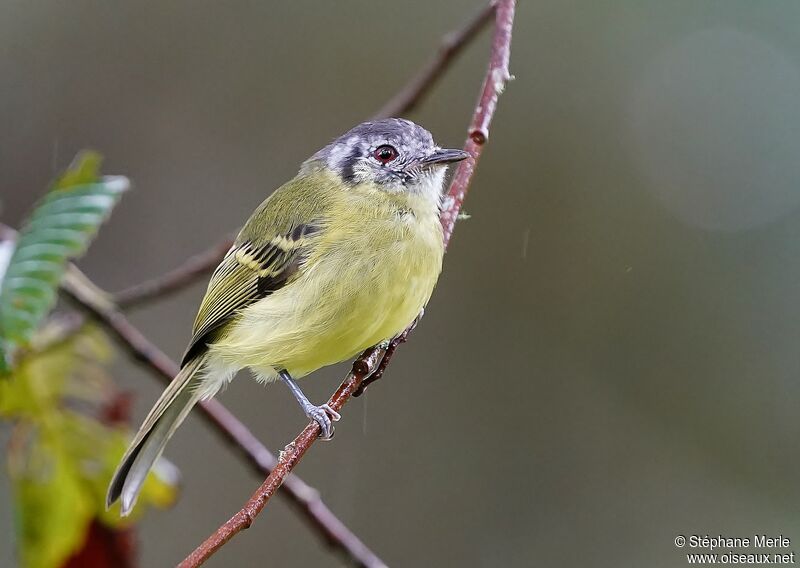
(323, 415)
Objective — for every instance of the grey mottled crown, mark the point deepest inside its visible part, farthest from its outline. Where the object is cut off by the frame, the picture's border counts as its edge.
(341, 155)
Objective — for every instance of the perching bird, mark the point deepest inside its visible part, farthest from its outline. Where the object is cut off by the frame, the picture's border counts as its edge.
(342, 257)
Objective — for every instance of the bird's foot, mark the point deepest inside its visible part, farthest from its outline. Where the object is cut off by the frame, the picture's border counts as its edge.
(325, 416)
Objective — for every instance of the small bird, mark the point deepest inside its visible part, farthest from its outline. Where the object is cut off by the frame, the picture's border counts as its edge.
(341, 258)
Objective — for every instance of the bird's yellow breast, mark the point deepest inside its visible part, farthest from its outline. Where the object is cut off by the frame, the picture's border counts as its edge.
(369, 275)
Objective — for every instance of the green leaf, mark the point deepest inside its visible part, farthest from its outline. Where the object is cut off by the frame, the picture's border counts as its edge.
(53, 513)
(65, 445)
(42, 379)
(60, 228)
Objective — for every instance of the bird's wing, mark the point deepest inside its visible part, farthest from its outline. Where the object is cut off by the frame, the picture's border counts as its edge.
(267, 255)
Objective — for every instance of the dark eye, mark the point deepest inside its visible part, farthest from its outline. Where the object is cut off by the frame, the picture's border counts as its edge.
(385, 154)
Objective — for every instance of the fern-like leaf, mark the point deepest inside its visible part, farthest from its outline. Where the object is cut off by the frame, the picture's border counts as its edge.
(60, 228)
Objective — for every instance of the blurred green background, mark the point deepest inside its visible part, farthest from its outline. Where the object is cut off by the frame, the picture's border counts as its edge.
(610, 358)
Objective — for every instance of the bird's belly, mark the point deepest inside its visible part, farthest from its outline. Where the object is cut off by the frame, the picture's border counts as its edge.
(334, 311)
(375, 313)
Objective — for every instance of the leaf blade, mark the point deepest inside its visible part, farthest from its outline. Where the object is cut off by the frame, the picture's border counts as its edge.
(60, 228)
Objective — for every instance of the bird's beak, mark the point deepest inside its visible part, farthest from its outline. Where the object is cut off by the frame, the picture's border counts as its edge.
(444, 156)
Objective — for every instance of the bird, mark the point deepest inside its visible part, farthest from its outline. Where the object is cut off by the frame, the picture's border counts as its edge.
(342, 257)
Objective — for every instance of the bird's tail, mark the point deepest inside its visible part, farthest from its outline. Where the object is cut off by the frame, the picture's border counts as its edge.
(165, 417)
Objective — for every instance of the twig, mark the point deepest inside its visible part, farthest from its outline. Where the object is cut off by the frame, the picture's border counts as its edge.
(370, 360)
(304, 498)
(451, 46)
(494, 83)
(176, 279)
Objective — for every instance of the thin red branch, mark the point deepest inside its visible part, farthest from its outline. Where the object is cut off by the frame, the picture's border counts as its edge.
(373, 359)
(451, 46)
(494, 83)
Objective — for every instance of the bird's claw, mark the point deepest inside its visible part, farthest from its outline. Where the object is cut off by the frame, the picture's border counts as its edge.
(325, 416)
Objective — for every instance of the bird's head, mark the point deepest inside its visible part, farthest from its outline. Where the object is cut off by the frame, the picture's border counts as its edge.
(393, 154)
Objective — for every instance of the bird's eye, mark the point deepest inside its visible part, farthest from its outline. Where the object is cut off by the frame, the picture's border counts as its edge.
(385, 154)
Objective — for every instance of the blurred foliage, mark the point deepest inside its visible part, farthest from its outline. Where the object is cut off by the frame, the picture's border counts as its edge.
(60, 228)
(65, 444)
(69, 423)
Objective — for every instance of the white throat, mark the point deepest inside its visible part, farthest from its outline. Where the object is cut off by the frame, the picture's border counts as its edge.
(430, 185)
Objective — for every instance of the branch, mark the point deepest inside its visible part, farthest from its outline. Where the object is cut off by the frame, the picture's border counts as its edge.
(176, 279)
(304, 498)
(451, 46)
(375, 359)
(496, 78)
